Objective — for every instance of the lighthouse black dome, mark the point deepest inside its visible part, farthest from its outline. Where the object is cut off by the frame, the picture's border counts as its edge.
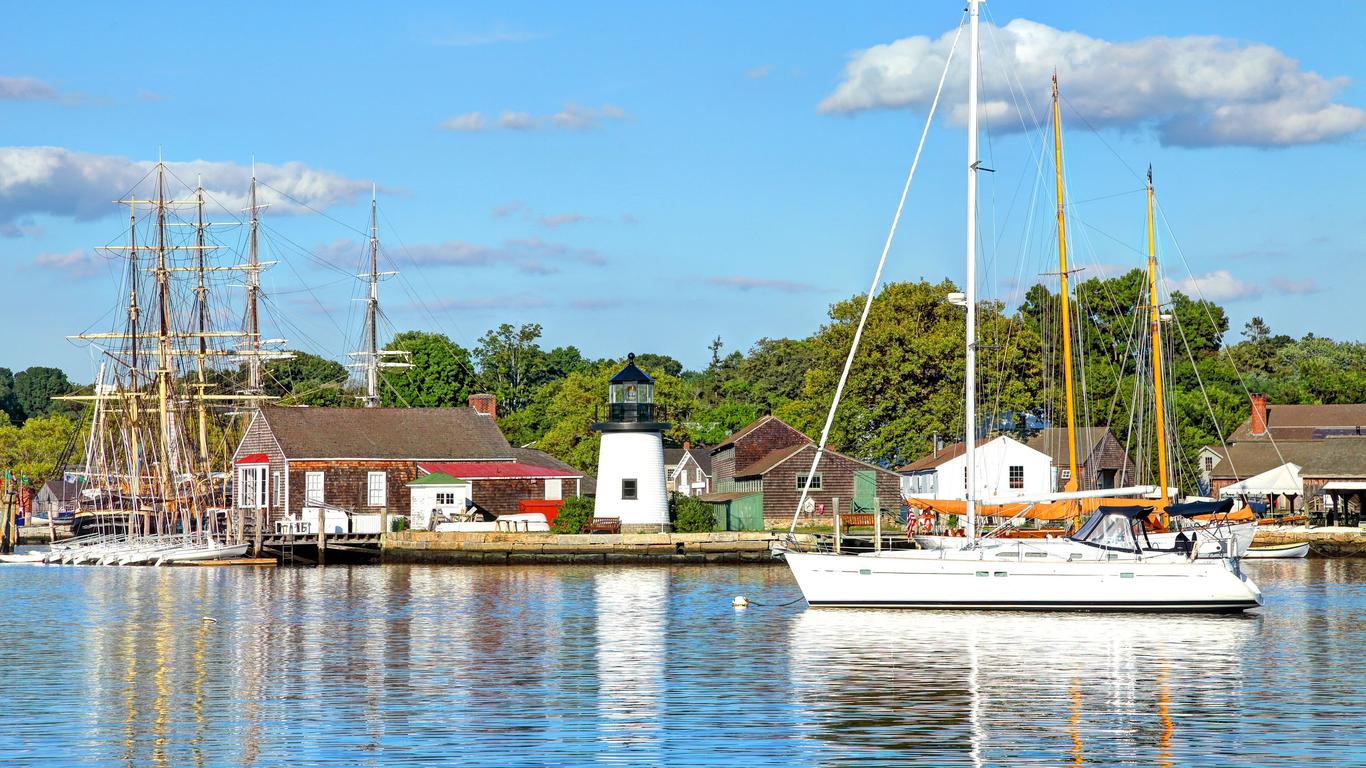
(631, 372)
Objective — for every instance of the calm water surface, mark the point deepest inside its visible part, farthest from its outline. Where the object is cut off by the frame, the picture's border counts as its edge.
(531, 666)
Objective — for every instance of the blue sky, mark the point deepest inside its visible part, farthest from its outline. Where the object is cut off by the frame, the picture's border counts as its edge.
(648, 177)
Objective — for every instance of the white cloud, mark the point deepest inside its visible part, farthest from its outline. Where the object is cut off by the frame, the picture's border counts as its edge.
(528, 255)
(516, 121)
(746, 283)
(576, 117)
(1192, 91)
(499, 34)
(78, 185)
(76, 263)
(758, 73)
(514, 301)
(26, 89)
(1219, 285)
(470, 122)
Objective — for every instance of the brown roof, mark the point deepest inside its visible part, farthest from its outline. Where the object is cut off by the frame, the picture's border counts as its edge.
(1298, 422)
(1338, 457)
(742, 431)
(947, 453)
(770, 460)
(386, 433)
(541, 458)
(1053, 441)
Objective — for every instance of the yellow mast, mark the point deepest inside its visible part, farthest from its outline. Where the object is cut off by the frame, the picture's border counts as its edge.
(1072, 483)
(1155, 320)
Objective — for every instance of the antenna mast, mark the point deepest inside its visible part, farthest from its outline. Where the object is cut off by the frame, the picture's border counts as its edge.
(970, 398)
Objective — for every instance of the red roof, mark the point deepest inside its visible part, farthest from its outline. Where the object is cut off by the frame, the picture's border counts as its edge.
(486, 470)
(254, 458)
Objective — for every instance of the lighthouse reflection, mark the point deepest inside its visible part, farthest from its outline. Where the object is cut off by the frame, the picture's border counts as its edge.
(1069, 689)
(632, 618)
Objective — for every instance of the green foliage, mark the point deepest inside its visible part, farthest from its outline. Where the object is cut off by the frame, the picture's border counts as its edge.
(35, 387)
(398, 524)
(690, 514)
(511, 364)
(9, 404)
(441, 375)
(306, 379)
(574, 516)
(33, 449)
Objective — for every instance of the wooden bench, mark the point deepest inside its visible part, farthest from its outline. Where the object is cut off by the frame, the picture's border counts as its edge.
(857, 521)
(604, 525)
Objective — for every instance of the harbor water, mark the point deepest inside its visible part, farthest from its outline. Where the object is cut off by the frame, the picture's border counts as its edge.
(566, 666)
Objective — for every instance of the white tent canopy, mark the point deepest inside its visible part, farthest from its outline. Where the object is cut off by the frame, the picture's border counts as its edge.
(1284, 480)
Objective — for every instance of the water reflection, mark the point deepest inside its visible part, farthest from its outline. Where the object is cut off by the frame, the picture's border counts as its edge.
(1007, 688)
(531, 666)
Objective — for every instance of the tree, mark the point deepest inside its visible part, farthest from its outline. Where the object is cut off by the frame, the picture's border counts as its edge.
(511, 363)
(9, 404)
(907, 379)
(32, 450)
(665, 363)
(441, 376)
(690, 514)
(35, 387)
(306, 379)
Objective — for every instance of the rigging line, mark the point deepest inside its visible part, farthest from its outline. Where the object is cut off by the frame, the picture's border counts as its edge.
(1096, 131)
(1204, 303)
(291, 198)
(1107, 197)
(872, 289)
(310, 291)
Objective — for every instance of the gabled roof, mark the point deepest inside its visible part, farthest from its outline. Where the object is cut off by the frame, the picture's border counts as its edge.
(1336, 457)
(385, 433)
(699, 455)
(946, 454)
(438, 478)
(1053, 441)
(770, 460)
(745, 430)
(495, 470)
(1298, 422)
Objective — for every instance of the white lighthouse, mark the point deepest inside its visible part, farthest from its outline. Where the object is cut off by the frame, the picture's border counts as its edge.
(631, 457)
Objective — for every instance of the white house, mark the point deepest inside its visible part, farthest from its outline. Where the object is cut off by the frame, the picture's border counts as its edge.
(1005, 467)
(688, 470)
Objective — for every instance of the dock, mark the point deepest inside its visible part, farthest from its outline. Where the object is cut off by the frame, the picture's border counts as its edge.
(518, 548)
(1324, 541)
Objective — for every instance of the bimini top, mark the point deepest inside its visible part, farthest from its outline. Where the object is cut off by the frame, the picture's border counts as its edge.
(1195, 508)
(1114, 528)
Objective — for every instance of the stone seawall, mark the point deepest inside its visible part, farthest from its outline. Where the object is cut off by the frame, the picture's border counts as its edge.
(509, 548)
(1323, 542)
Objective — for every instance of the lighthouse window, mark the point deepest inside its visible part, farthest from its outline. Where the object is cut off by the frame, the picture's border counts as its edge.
(630, 393)
(628, 488)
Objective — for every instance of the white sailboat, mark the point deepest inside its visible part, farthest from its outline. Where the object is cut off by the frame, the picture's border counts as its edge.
(1103, 567)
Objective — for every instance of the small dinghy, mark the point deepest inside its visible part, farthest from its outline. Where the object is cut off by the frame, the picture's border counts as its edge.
(23, 557)
(213, 551)
(1278, 552)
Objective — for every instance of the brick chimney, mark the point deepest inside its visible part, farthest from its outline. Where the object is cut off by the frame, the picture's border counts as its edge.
(1258, 426)
(486, 404)
(687, 446)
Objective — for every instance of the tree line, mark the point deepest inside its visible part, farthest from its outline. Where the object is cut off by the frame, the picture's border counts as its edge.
(904, 389)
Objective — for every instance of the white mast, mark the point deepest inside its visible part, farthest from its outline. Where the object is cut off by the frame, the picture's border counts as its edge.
(371, 356)
(970, 415)
(371, 310)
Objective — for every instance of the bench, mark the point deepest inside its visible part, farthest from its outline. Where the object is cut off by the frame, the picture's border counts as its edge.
(604, 525)
(857, 521)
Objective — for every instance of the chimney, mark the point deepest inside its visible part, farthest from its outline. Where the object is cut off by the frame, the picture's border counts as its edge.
(687, 446)
(485, 404)
(1258, 414)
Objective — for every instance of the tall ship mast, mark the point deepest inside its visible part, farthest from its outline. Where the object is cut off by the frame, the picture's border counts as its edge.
(371, 359)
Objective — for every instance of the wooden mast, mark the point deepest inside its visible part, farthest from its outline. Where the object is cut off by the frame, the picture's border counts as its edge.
(164, 352)
(1155, 320)
(134, 393)
(1072, 483)
(202, 317)
(970, 280)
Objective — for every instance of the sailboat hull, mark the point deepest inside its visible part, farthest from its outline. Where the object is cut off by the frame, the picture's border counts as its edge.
(937, 581)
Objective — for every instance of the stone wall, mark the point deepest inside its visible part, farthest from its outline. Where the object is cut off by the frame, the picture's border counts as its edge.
(514, 548)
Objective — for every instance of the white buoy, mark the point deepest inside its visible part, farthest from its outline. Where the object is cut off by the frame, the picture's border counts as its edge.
(740, 602)
(208, 619)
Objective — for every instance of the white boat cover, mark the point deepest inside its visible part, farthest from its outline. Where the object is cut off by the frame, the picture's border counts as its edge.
(1284, 480)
